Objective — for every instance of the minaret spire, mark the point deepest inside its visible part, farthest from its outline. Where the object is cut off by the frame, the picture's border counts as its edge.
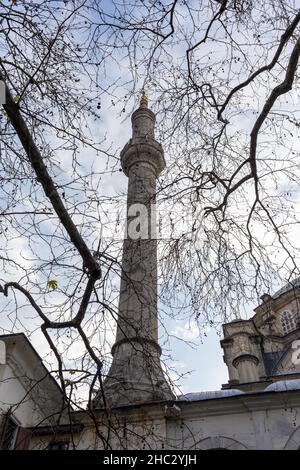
(144, 99)
(136, 375)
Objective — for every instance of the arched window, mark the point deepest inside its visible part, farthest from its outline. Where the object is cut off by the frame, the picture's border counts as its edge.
(293, 442)
(288, 322)
(219, 443)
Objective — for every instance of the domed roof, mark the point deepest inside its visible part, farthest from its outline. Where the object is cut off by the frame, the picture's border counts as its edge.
(209, 395)
(283, 386)
(288, 287)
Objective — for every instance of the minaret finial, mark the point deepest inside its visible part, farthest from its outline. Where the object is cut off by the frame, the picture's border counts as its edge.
(144, 99)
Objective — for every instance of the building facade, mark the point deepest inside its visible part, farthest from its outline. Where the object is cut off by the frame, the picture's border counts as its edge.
(265, 348)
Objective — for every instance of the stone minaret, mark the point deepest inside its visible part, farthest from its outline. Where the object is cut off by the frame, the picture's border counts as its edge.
(136, 375)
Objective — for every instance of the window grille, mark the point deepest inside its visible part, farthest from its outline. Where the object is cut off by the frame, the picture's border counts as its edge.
(288, 322)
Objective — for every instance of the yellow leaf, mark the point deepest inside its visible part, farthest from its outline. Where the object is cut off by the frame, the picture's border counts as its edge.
(52, 284)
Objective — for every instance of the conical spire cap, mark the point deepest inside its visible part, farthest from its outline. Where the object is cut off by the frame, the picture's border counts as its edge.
(144, 100)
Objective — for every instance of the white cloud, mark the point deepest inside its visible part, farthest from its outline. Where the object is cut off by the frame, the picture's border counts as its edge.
(190, 331)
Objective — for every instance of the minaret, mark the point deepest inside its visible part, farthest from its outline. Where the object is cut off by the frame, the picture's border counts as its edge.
(136, 375)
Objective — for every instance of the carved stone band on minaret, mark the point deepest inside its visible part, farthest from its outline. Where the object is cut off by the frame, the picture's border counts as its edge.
(139, 151)
(136, 375)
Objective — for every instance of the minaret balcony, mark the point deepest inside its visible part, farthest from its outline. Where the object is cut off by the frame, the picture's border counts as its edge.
(139, 150)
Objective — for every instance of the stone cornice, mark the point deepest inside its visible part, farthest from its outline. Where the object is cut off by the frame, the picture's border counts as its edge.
(244, 403)
(241, 404)
(137, 339)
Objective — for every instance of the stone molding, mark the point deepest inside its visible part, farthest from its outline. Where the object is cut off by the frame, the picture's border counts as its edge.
(138, 151)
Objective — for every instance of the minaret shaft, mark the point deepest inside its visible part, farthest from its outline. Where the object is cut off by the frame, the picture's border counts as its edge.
(138, 293)
(136, 375)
